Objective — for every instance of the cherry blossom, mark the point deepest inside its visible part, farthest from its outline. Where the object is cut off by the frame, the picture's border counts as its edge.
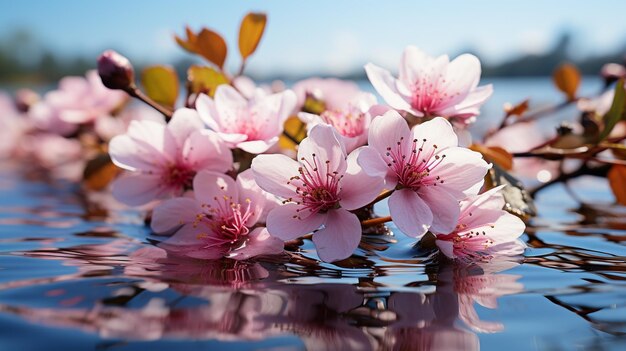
(427, 169)
(432, 86)
(220, 220)
(163, 158)
(318, 190)
(484, 230)
(251, 125)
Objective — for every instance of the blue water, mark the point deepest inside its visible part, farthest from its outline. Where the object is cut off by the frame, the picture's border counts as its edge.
(76, 273)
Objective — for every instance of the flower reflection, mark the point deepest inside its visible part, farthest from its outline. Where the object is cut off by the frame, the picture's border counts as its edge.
(155, 296)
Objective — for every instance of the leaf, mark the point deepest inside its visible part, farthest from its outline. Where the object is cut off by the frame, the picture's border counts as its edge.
(190, 43)
(517, 199)
(567, 79)
(495, 154)
(250, 33)
(617, 181)
(203, 79)
(99, 172)
(161, 84)
(516, 110)
(296, 131)
(212, 47)
(616, 112)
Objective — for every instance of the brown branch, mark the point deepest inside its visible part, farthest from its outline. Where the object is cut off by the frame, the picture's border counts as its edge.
(375, 221)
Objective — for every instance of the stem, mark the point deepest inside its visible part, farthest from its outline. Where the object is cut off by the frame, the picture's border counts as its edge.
(385, 194)
(241, 68)
(136, 93)
(375, 221)
(293, 140)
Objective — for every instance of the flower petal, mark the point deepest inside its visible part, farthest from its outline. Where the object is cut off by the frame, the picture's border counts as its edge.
(286, 223)
(214, 188)
(410, 213)
(444, 207)
(208, 112)
(387, 131)
(204, 150)
(174, 213)
(139, 189)
(325, 144)
(273, 172)
(259, 242)
(357, 187)
(339, 237)
(184, 122)
(385, 85)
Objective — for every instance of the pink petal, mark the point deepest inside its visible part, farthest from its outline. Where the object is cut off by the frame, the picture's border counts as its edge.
(413, 61)
(228, 103)
(385, 85)
(184, 122)
(207, 112)
(444, 207)
(357, 187)
(259, 242)
(462, 76)
(323, 142)
(462, 171)
(204, 150)
(282, 224)
(134, 155)
(386, 131)
(273, 172)
(257, 146)
(339, 237)
(174, 213)
(135, 190)
(211, 188)
(187, 238)
(261, 202)
(410, 213)
(370, 161)
(436, 131)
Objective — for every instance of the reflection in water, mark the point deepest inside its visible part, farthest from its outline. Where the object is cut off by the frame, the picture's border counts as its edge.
(230, 300)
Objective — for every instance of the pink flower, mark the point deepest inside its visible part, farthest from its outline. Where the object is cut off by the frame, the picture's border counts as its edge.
(253, 126)
(165, 158)
(429, 172)
(428, 86)
(78, 100)
(484, 230)
(334, 93)
(220, 221)
(319, 191)
(108, 127)
(352, 121)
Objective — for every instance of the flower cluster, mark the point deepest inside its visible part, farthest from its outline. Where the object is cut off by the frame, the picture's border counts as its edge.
(220, 182)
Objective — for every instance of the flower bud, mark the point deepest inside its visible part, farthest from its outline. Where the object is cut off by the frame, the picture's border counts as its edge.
(115, 71)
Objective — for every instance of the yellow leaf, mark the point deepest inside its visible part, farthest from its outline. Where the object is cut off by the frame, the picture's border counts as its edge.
(212, 47)
(161, 84)
(617, 180)
(296, 131)
(495, 154)
(204, 79)
(567, 79)
(250, 33)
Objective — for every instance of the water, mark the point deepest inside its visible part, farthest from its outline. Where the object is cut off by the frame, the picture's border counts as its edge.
(78, 272)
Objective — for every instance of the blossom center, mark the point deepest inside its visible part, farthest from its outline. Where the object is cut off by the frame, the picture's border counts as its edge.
(317, 187)
(413, 166)
(429, 93)
(178, 174)
(225, 221)
(348, 124)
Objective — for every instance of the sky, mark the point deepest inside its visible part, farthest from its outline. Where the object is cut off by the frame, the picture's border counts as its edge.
(321, 35)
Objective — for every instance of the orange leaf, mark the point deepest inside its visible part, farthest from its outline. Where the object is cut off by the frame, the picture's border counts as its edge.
(99, 172)
(617, 180)
(495, 154)
(161, 84)
(567, 79)
(212, 47)
(516, 110)
(190, 43)
(250, 33)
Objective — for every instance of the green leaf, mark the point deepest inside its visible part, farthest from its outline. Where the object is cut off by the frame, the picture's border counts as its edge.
(161, 84)
(204, 79)
(616, 112)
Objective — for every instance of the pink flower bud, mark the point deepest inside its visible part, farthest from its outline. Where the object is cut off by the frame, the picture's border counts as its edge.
(115, 70)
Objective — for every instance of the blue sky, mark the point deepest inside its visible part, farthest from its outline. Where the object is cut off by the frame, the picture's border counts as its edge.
(322, 35)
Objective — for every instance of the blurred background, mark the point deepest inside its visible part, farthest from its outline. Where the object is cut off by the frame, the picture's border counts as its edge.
(43, 41)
